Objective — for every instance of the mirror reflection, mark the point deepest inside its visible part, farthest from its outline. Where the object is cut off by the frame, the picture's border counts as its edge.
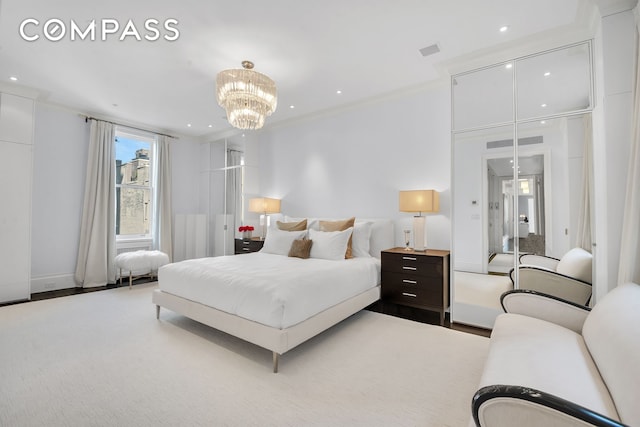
(529, 200)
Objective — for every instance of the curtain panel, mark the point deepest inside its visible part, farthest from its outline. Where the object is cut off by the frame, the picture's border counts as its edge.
(97, 247)
(629, 268)
(163, 214)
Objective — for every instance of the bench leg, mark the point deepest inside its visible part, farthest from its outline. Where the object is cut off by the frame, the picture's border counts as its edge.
(157, 312)
(130, 279)
(276, 357)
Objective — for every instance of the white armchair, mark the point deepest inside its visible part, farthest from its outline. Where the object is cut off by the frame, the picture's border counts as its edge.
(568, 278)
(555, 363)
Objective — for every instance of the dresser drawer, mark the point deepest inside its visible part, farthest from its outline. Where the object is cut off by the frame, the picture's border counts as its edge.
(412, 264)
(246, 246)
(410, 289)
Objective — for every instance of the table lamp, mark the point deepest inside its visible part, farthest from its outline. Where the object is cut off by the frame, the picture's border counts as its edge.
(264, 206)
(420, 201)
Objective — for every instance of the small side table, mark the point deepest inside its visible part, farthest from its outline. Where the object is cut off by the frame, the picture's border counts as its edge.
(416, 279)
(245, 246)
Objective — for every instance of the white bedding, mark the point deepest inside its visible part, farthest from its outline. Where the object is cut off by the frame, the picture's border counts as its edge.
(274, 290)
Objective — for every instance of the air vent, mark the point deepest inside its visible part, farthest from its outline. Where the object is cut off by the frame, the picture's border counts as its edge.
(530, 140)
(430, 50)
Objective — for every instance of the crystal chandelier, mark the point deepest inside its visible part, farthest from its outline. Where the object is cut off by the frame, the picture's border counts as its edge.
(246, 95)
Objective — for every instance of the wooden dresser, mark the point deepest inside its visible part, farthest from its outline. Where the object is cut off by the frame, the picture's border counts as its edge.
(416, 279)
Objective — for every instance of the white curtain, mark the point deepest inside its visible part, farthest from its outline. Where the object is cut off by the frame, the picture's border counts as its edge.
(97, 247)
(583, 235)
(162, 215)
(629, 269)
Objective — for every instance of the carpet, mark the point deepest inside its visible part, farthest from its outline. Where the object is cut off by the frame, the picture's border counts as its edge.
(102, 359)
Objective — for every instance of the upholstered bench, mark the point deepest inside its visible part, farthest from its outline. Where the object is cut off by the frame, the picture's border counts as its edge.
(141, 263)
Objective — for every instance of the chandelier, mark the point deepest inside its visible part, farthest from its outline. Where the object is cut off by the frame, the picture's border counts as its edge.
(247, 96)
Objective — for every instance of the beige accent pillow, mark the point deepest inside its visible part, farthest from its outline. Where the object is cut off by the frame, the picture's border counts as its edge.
(300, 248)
(292, 226)
(340, 226)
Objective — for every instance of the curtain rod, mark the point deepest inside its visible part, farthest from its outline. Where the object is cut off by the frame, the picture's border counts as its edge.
(87, 118)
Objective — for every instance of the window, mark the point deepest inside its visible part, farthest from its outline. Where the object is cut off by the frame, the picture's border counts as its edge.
(134, 185)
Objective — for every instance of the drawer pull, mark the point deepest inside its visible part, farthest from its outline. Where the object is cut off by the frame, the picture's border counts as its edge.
(411, 282)
(410, 258)
(246, 249)
(246, 242)
(407, 294)
(404, 267)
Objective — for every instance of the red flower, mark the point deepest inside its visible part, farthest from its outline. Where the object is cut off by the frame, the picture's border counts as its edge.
(245, 228)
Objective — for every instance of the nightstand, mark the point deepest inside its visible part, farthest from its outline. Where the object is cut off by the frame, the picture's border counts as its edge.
(245, 246)
(416, 279)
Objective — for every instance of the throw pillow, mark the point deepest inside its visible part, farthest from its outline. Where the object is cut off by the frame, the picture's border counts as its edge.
(279, 242)
(329, 244)
(340, 225)
(292, 226)
(301, 248)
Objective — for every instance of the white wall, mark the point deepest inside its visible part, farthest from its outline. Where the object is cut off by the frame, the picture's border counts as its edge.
(60, 157)
(59, 167)
(355, 162)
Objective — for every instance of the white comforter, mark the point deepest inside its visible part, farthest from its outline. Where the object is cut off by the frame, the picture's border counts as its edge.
(274, 290)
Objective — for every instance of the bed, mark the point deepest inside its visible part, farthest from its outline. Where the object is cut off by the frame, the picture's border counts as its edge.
(272, 300)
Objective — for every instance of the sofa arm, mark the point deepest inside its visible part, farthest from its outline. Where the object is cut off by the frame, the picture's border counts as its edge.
(508, 405)
(545, 307)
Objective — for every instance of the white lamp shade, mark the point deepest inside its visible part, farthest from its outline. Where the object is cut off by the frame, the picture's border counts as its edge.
(264, 205)
(419, 201)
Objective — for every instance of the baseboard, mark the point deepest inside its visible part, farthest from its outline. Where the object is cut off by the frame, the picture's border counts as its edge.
(52, 283)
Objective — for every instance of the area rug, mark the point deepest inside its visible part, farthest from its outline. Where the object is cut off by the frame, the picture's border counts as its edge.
(102, 359)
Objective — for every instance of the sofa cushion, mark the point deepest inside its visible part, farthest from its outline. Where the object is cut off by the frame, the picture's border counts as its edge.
(612, 335)
(534, 353)
(577, 264)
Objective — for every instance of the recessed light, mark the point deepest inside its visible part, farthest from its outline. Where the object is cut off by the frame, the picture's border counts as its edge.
(547, 74)
(292, 106)
(543, 105)
(210, 126)
(13, 78)
(504, 28)
(188, 125)
(542, 122)
(338, 92)
(508, 66)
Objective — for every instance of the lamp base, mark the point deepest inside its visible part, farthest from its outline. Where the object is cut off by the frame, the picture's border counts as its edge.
(418, 233)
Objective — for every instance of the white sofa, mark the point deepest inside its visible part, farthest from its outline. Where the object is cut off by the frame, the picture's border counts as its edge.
(555, 363)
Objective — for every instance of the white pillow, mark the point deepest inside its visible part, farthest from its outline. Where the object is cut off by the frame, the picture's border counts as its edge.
(279, 241)
(329, 244)
(360, 244)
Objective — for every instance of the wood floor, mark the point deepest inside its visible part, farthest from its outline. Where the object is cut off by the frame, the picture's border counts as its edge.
(424, 316)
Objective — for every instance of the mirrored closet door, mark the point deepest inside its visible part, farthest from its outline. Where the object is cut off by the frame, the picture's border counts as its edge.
(524, 198)
(233, 181)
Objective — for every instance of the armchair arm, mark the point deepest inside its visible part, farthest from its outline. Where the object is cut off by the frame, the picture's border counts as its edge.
(539, 261)
(553, 283)
(545, 307)
(509, 405)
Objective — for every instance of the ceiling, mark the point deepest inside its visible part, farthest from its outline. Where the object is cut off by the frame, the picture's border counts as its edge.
(368, 49)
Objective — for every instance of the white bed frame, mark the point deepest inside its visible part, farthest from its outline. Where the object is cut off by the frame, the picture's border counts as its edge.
(277, 340)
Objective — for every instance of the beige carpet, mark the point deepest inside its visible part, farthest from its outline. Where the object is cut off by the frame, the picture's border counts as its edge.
(102, 359)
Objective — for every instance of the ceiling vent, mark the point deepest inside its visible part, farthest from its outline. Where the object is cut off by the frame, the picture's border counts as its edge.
(509, 142)
(430, 50)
